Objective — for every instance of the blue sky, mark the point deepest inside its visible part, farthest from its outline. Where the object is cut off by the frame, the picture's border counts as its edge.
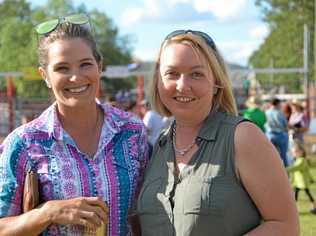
(235, 25)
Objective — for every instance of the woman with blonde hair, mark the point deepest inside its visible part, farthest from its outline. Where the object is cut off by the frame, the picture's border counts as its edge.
(208, 171)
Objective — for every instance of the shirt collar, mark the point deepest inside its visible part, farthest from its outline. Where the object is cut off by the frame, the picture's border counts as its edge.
(48, 122)
(207, 132)
(114, 119)
(210, 126)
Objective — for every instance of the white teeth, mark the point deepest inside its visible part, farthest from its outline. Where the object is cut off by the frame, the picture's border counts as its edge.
(78, 90)
(184, 99)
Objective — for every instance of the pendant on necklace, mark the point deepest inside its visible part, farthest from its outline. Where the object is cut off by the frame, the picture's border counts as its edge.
(181, 151)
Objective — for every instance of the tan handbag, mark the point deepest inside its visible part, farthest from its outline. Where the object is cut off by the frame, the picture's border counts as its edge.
(30, 192)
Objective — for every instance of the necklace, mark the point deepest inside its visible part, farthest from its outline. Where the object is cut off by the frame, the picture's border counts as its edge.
(181, 151)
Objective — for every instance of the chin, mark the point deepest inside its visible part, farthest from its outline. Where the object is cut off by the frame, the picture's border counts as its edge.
(78, 103)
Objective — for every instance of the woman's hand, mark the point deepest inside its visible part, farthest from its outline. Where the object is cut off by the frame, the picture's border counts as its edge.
(90, 212)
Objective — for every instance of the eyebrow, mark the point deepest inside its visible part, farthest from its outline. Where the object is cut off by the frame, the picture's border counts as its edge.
(66, 63)
(192, 68)
(86, 59)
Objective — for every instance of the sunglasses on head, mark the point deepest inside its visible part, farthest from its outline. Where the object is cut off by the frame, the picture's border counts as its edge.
(48, 26)
(209, 41)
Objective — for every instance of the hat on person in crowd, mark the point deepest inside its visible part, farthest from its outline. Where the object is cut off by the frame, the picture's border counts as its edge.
(253, 102)
(297, 104)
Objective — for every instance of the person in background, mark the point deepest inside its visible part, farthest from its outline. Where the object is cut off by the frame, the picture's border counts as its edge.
(254, 113)
(276, 129)
(246, 86)
(208, 171)
(298, 122)
(154, 123)
(300, 174)
(89, 157)
(287, 110)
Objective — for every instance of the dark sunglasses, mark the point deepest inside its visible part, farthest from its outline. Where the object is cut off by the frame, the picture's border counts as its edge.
(48, 26)
(201, 34)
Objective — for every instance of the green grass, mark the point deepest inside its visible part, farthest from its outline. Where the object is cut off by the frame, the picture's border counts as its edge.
(308, 220)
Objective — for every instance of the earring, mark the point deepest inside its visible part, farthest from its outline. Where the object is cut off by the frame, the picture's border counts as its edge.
(47, 83)
(216, 87)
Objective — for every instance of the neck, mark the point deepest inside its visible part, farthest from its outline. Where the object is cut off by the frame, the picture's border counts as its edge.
(84, 117)
(184, 138)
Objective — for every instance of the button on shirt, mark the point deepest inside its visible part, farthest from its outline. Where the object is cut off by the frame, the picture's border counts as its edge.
(64, 172)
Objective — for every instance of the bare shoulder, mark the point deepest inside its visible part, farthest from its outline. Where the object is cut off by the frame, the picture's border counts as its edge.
(261, 171)
(251, 144)
(247, 132)
(254, 153)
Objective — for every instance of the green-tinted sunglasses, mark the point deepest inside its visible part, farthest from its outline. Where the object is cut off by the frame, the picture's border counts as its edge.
(48, 26)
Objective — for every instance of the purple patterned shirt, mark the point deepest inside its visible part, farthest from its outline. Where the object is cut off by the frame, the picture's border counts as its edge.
(114, 173)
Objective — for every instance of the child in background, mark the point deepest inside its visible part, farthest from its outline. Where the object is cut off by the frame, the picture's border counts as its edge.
(301, 177)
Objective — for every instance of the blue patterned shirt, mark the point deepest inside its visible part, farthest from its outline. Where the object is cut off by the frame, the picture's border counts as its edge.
(114, 173)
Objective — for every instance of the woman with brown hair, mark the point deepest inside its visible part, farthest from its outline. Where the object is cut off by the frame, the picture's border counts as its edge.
(89, 157)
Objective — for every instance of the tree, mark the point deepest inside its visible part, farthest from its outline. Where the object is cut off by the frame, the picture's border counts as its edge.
(283, 47)
(18, 39)
(115, 49)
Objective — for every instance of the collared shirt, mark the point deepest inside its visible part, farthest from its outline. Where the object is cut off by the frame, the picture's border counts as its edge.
(298, 120)
(206, 198)
(276, 121)
(64, 172)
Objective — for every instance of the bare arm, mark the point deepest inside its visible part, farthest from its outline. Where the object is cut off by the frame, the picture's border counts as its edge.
(86, 211)
(261, 171)
(30, 223)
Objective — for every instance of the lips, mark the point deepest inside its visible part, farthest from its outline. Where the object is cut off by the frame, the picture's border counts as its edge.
(78, 89)
(184, 99)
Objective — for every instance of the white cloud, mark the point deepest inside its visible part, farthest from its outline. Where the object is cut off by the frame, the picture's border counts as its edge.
(182, 10)
(150, 9)
(259, 32)
(131, 16)
(238, 51)
(222, 9)
(175, 2)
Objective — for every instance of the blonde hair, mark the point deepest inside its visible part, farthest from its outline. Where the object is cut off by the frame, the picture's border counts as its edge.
(223, 99)
(297, 144)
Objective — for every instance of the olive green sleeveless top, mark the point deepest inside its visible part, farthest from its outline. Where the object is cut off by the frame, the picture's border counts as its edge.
(206, 198)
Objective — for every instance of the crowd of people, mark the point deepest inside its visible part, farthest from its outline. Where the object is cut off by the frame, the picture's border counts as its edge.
(285, 124)
(282, 122)
(207, 171)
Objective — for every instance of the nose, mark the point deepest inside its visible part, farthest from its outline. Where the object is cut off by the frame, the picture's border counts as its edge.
(75, 75)
(182, 84)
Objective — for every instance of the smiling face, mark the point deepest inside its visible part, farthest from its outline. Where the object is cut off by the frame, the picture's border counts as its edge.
(186, 83)
(72, 72)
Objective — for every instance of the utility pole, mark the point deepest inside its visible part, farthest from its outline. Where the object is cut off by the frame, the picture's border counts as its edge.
(305, 67)
(315, 42)
(305, 60)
